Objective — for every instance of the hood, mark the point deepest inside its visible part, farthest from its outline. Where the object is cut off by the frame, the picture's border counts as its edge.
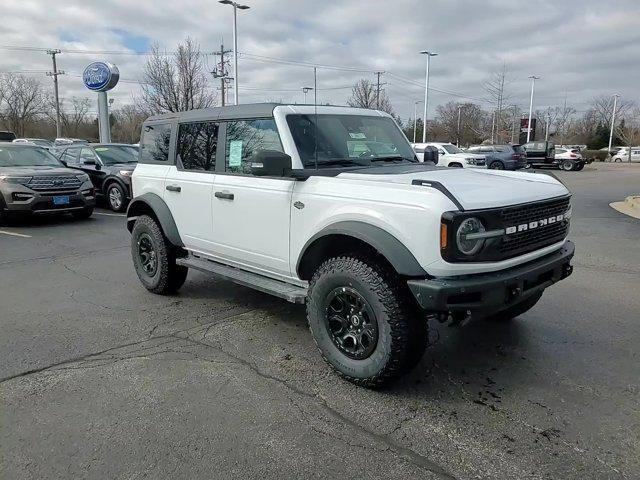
(123, 166)
(473, 188)
(40, 171)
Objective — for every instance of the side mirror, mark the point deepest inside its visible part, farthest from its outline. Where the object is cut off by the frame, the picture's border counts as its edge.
(271, 163)
(431, 154)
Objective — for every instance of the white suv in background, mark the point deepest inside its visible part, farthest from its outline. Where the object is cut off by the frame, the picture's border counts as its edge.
(451, 156)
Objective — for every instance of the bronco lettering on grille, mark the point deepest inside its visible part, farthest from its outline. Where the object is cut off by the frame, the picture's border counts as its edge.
(537, 224)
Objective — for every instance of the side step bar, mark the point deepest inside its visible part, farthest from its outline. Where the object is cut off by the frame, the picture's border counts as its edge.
(264, 284)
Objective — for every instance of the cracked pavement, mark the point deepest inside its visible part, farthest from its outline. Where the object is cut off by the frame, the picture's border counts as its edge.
(101, 379)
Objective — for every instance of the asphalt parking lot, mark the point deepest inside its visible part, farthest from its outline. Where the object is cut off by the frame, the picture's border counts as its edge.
(101, 379)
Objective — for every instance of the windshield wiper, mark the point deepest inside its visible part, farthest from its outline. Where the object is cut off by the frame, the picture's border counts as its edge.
(341, 161)
(391, 158)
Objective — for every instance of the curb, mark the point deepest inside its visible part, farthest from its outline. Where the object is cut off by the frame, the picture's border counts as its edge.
(630, 206)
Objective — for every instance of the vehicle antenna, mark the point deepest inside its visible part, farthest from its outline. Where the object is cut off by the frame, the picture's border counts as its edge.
(315, 112)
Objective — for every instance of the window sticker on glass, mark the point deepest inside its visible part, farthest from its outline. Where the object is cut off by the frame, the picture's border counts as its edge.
(235, 153)
(101, 149)
(358, 135)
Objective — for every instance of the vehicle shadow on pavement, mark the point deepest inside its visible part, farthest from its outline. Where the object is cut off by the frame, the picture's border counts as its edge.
(42, 221)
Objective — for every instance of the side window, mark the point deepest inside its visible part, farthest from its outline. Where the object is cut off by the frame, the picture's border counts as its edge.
(70, 156)
(247, 137)
(154, 145)
(197, 145)
(87, 155)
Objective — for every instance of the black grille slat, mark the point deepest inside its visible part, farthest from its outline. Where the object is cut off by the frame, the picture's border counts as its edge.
(532, 239)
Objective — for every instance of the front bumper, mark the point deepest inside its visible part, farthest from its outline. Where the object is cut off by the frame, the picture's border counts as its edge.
(493, 292)
(17, 199)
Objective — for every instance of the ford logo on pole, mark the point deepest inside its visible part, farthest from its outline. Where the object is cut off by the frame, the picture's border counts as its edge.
(100, 76)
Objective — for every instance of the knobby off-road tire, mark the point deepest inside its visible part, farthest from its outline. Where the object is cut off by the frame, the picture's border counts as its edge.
(401, 332)
(515, 310)
(154, 258)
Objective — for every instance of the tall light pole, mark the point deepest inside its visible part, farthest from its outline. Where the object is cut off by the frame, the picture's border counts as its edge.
(533, 86)
(613, 120)
(458, 140)
(426, 94)
(415, 118)
(305, 90)
(235, 6)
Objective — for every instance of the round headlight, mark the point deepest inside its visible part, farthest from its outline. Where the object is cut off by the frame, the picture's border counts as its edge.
(469, 246)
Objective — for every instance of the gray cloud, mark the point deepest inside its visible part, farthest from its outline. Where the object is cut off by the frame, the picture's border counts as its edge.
(581, 47)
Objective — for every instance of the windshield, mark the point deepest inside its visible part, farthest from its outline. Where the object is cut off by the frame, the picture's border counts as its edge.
(117, 154)
(449, 148)
(348, 140)
(27, 157)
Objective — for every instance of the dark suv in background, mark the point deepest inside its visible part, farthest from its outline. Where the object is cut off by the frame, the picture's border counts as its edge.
(109, 165)
(34, 181)
(501, 157)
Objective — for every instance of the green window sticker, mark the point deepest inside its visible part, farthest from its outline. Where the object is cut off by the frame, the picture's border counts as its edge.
(358, 135)
(101, 149)
(235, 153)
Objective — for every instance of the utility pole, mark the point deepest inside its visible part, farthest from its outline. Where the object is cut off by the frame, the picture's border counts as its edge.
(513, 130)
(378, 85)
(546, 130)
(613, 121)
(458, 140)
(55, 74)
(493, 124)
(221, 72)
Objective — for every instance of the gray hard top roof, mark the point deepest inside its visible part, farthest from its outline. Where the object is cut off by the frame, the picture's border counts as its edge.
(248, 110)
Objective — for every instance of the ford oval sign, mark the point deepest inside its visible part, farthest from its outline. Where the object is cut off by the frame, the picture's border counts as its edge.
(100, 76)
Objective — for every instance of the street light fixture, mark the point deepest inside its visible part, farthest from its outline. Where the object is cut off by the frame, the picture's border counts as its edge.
(426, 93)
(305, 90)
(415, 118)
(533, 85)
(235, 6)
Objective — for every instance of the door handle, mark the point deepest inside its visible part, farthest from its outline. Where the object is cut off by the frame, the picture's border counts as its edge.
(224, 195)
(174, 188)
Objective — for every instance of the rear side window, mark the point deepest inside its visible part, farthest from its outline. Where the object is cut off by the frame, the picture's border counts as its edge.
(70, 156)
(503, 148)
(247, 137)
(197, 145)
(154, 145)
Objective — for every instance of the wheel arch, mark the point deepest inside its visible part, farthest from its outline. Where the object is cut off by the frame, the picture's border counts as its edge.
(152, 205)
(113, 179)
(349, 236)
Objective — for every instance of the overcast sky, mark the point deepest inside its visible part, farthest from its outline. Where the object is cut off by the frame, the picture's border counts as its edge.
(581, 48)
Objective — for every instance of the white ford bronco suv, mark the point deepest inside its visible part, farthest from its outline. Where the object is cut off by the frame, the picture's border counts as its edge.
(329, 206)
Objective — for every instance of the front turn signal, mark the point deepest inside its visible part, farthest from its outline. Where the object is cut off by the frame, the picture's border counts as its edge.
(444, 236)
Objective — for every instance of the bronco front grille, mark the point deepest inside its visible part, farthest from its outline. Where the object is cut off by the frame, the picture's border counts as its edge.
(537, 234)
(55, 183)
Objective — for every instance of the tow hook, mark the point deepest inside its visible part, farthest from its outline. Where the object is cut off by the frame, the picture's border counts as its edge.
(514, 292)
(568, 270)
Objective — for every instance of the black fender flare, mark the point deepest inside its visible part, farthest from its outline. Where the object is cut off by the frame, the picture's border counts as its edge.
(396, 253)
(111, 179)
(141, 204)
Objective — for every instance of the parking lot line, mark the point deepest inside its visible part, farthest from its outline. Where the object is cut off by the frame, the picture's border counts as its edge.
(14, 234)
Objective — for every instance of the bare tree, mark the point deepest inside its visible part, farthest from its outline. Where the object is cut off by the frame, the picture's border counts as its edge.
(128, 122)
(629, 129)
(23, 101)
(563, 120)
(495, 87)
(474, 124)
(364, 95)
(175, 83)
(602, 107)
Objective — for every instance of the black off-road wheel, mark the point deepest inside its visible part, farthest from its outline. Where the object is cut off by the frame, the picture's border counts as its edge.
(154, 258)
(362, 322)
(82, 214)
(515, 310)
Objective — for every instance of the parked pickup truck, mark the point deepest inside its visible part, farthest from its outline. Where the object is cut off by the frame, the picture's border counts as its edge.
(329, 206)
(543, 154)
